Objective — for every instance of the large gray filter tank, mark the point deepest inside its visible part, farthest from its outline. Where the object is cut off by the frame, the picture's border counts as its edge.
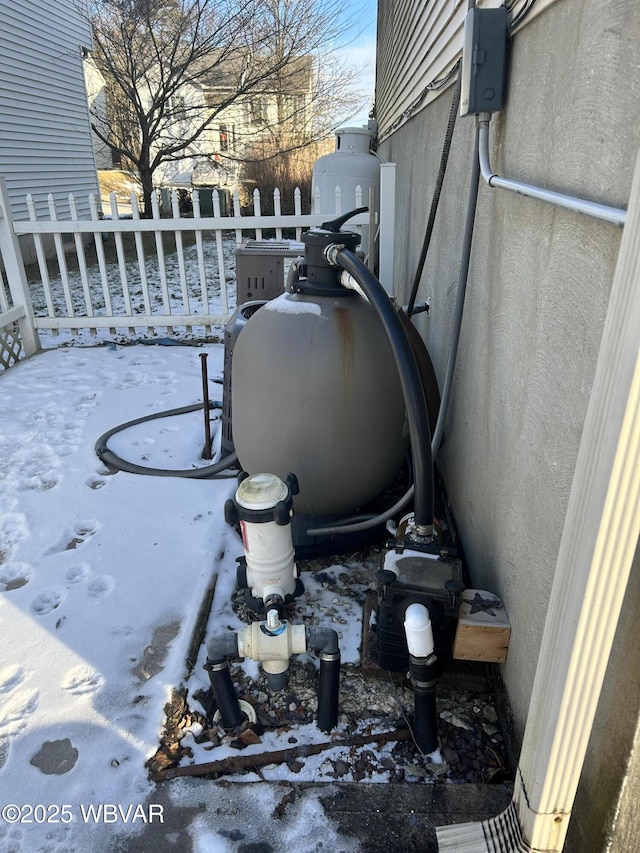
(316, 392)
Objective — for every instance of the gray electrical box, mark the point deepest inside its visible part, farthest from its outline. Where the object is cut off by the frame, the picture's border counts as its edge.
(260, 268)
(483, 61)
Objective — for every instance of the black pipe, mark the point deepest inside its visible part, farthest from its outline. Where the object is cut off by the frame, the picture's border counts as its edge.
(425, 718)
(328, 690)
(325, 642)
(224, 694)
(412, 388)
(206, 453)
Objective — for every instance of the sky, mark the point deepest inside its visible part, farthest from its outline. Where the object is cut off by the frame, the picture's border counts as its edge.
(360, 52)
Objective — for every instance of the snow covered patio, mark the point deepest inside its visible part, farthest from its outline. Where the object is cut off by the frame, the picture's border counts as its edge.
(102, 579)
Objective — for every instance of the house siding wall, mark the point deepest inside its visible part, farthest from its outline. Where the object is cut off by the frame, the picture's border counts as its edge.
(537, 296)
(418, 43)
(45, 135)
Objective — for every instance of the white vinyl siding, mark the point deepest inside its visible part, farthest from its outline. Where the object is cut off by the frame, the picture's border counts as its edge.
(45, 134)
(418, 43)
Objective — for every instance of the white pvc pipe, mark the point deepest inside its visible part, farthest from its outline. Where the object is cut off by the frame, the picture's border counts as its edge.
(417, 627)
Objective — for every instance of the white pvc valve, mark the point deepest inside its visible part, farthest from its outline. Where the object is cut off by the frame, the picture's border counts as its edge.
(417, 628)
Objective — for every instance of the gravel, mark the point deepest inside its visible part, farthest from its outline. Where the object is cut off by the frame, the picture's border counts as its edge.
(371, 701)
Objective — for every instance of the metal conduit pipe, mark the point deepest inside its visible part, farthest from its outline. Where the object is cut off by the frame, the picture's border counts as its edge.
(614, 215)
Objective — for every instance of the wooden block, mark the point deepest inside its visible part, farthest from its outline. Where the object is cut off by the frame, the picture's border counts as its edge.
(483, 629)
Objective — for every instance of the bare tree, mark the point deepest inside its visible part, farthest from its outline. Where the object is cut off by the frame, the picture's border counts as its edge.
(174, 68)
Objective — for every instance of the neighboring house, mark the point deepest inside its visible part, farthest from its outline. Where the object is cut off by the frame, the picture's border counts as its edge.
(96, 97)
(538, 291)
(45, 135)
(250, 123)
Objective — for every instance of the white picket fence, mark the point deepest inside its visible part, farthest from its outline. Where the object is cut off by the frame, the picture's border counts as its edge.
(188, 286)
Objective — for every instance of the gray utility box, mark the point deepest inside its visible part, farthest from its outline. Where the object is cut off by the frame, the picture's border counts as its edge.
(484, 53)
(260, 268)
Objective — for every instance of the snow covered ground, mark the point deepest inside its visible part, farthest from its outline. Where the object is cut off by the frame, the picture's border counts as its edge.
(181, 301)
(101, 577)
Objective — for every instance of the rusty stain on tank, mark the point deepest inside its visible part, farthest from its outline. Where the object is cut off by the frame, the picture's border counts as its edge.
(346, 341)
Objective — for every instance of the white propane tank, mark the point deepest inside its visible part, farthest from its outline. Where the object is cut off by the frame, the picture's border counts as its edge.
(350, 166)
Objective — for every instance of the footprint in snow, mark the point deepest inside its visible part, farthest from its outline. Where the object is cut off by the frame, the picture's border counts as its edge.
(82, 681)
(41, 483)
(147, 441)
(13, 529)
(75, 537)
(14, 575)
(10, 677)
(101, 586)
(46, 602)
(79, 573)
(131, 380)
(95, 482)
(15, 712)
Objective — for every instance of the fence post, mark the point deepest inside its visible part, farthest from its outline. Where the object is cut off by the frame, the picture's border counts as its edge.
(387, 224)
(16, 276)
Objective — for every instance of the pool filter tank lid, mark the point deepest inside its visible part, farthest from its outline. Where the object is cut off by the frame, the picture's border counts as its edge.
(261, 491)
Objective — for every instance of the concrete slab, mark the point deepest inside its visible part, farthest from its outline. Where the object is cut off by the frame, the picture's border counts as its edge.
(358, 817)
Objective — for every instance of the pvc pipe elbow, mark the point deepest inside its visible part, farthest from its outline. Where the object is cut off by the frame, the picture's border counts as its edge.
(322, 640)
(221, 647)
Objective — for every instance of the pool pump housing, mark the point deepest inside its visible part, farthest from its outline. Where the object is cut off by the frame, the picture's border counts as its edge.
(409, 577)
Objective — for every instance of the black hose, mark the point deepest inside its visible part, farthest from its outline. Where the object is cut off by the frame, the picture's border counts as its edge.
(412, 388)
(444, 159)
(463, 276)
(112, 460)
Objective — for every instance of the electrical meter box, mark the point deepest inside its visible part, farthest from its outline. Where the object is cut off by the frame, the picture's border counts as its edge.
(484, 53)
(261, 268)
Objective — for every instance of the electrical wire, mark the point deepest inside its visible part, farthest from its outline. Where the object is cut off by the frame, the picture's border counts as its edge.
(404, 714)
(522, 14)
(417, 103)
(444, 159)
